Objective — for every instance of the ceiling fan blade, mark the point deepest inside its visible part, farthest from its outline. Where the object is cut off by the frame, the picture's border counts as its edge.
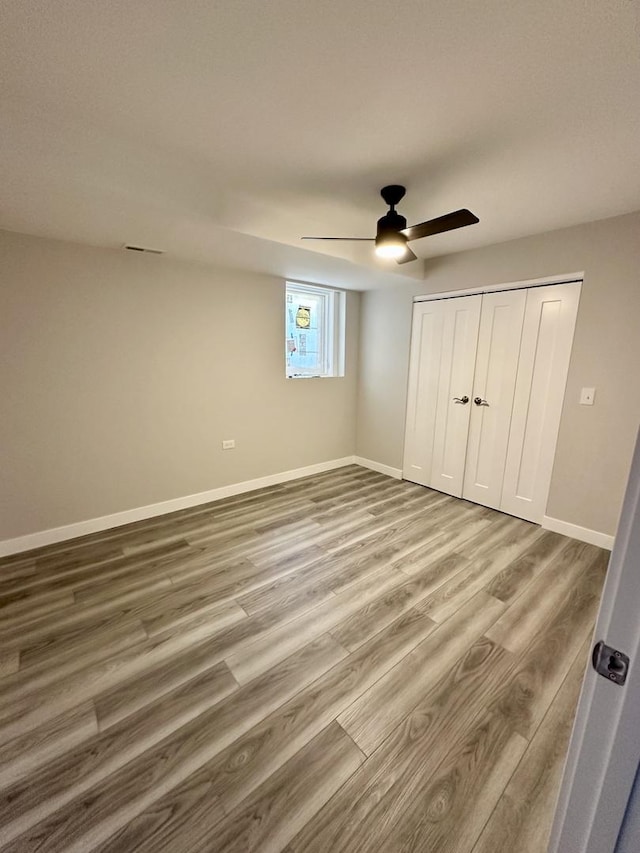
(360, 239)
(448, 222)
(408, 256)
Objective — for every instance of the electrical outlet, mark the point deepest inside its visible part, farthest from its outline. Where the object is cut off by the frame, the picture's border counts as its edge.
(587, 396)
(228, 444)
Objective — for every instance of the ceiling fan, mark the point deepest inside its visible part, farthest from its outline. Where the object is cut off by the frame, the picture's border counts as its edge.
(392, 234)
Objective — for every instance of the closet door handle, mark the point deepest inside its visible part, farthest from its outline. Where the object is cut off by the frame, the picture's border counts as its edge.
(479, 401)
(464, 400)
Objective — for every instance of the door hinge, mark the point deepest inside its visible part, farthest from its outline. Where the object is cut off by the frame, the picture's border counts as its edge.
(610, 663)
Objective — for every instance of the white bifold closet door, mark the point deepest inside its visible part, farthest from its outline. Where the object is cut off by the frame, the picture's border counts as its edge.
(493, 388)
(486, 386)
(444, 339)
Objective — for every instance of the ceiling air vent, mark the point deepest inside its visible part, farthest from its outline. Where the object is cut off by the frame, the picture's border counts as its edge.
(143, 249)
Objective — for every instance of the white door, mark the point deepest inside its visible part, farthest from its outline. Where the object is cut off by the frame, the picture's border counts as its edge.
(492, 400)
(547, 336)
(604, 752)
(443, 349)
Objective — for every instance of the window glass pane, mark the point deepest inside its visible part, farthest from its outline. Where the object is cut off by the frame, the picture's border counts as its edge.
(305, 332)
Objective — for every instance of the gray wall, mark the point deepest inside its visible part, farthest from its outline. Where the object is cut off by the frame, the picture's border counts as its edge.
(595, 443)
(120, 374)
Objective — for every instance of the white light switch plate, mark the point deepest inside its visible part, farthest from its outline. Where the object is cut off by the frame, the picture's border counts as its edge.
(228, 444)
(587, 396)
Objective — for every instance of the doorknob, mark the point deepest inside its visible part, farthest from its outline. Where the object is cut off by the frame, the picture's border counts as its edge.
(464, 400)
(479, 401)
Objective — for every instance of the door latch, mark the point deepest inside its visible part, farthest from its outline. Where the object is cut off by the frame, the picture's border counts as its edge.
(610, 663)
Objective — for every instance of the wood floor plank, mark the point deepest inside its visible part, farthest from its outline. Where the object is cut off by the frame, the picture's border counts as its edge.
(207, 608)
(356, 555)
(408, 499)
(290, 798)
(265, 548)
(166, 817)
(355, 820)
(521, 622)
(249, 761)
(291, 590)
(441, 543)
(375, 503)
(511, 581)
(500, 541)
(384, 528)
(104, 639)
(32, 698)
(384, 609)
(23, 806)
(154, 603)
(381, 708)
(345, 662)
(24, 608)
(275, 645)
(447, 811)
(78, 552)
(27, 753)
(131, 583)
(115, 705)
(491, 545)
(234, 578)
(522, 818)
(9, 662)
(460, 588)
(137, 594)
(122, 795)
(268, 550)
(17, 568)
(542, 667)
(15, 701)
(77, 574)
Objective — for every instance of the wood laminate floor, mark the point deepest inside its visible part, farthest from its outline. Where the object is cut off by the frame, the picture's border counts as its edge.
(343, 664)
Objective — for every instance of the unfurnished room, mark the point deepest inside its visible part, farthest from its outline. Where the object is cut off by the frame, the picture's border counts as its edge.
(319, 406)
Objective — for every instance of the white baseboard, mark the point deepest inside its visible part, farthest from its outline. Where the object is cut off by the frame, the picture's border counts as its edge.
(584, 534)
(117, 519)
(379, 467)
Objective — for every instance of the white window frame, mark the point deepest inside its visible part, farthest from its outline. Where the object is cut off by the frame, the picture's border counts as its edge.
(331, 331)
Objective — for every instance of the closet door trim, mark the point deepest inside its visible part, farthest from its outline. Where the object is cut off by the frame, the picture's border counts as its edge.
(567, 278)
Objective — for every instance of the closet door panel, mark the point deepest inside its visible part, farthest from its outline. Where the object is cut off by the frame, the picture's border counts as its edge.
(495, 378)
(443, 347)
(457, 368)
(547, 338)
(424, 379)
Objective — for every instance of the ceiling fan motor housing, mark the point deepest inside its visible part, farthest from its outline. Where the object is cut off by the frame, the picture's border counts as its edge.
(391, 223)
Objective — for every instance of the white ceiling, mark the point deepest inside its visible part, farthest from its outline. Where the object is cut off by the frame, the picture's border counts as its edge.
(223, 130)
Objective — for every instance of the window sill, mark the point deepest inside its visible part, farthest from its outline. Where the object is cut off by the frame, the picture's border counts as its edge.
(314, 376)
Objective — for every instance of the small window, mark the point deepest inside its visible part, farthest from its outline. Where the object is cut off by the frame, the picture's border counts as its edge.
(314, 324)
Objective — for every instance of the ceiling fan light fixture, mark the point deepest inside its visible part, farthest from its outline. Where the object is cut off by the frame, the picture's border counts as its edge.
(391, 245)
(392, 235)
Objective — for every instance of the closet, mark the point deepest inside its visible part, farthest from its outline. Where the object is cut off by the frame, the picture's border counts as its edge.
(486, 385)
